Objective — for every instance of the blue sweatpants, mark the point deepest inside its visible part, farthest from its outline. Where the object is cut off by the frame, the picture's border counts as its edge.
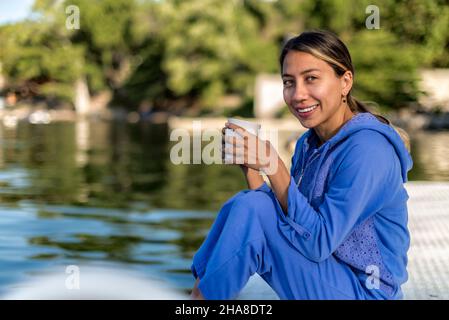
(245, 239)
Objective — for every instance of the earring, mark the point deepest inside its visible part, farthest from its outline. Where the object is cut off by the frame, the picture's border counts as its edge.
(344, 99)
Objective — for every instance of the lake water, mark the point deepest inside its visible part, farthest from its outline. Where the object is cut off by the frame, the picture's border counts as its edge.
(106, 194)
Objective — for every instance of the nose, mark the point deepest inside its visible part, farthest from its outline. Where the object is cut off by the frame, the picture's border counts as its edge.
(299, 93)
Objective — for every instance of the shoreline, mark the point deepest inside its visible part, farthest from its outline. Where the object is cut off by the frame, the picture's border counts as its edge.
(408, 120)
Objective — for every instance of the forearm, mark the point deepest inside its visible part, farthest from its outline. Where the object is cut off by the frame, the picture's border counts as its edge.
(253, 178)
(280, 181)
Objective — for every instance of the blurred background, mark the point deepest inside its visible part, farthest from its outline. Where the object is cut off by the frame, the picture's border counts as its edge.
(87, 106)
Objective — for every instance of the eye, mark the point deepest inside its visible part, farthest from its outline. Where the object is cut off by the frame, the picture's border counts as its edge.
(311, 78)
(287, 83)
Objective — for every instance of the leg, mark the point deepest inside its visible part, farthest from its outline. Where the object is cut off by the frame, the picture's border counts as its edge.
(247, 240)
(202, 256)
(196, 293)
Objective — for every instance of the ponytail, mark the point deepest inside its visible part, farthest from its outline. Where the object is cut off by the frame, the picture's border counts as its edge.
(358, 107)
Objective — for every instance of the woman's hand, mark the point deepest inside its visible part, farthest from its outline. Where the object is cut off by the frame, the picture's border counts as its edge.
(257, 154)
(248, 150)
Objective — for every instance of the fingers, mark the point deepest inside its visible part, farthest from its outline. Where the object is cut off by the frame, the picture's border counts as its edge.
(234, 148)
(232, 126)
(235, 151)
(230, 139)
(233, 141)
(242, 132)
(234, 155)
(231, 155)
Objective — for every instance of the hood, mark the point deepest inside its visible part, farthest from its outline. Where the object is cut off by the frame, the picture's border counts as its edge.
(367, 121)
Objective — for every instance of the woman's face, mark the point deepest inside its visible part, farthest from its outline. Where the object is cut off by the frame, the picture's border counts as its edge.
(313, 92)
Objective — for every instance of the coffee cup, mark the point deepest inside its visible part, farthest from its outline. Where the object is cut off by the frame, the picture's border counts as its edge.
(249, 126)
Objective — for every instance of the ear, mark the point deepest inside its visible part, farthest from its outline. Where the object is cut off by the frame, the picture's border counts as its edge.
(346, 82)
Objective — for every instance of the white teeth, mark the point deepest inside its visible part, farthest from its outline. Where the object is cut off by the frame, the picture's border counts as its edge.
(308, 109)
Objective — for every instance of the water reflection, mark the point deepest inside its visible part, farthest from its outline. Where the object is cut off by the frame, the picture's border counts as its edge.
(103, 192)
(430, 152)
(107, 193)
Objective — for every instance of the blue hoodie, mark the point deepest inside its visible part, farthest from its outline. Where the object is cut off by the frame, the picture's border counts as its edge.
(347, 198)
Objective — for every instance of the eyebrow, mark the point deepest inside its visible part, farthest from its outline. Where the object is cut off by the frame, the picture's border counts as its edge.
(302, 72)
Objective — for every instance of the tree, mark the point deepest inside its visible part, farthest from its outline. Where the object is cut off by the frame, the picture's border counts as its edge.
(38, 61)
(412, 34)
(190, 54)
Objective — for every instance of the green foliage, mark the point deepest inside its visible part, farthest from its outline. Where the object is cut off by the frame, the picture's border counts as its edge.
(384, 73)
(191, 53)
(386, 60)
(424, 23)
(37, 56)
(210, 48)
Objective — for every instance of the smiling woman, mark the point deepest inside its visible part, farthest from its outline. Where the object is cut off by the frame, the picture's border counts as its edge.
(335, 226)
(318, 79)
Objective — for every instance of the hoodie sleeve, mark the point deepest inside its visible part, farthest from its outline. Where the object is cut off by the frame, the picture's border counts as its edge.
(358, 188)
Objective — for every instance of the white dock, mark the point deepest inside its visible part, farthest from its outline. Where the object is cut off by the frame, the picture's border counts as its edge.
(428, 265)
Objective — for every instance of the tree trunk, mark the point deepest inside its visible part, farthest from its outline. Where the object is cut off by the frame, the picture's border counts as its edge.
(2, 78)
(82, 97)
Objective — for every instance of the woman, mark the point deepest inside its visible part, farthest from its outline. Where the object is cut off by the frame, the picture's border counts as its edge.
(335, 226)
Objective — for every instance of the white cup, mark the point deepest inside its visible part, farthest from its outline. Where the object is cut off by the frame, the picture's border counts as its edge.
(249, 126)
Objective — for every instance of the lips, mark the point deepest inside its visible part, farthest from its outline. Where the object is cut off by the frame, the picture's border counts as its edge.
(307, 109)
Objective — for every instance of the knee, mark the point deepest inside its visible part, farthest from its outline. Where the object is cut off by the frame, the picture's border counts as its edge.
(253, 204)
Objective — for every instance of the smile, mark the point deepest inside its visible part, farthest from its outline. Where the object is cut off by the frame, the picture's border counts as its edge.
(308, 109)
